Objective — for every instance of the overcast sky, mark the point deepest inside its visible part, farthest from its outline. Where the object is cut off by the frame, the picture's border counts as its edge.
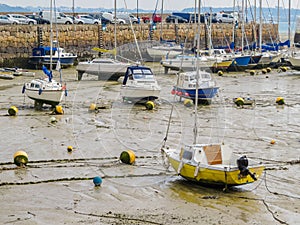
(144, 4)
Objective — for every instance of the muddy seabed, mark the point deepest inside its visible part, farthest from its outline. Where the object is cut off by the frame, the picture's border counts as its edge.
(56, 186)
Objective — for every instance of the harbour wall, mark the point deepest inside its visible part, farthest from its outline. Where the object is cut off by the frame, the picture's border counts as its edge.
(17, 41)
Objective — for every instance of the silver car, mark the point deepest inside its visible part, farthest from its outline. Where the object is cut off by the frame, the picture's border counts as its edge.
(88, 19)
(21, 18)
(6, 20)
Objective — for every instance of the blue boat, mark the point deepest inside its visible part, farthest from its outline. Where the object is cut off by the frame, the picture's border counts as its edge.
(241, 63)
(186, 87)
(41, 56)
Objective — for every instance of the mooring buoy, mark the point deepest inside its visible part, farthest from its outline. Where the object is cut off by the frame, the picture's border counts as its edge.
(280, 101)
(220, 73)
(268, 69)
(97, 181)
(239, 101)
(252, 72)
(127, 157)
(149, 105)
(93, 107)
(264, 71)
(70, 148)
(59, 109)
(13, 110)
(272, 142)
(188, 103)
(20, 158)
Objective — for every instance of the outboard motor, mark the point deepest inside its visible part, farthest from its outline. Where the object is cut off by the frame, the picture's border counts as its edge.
(242, 164)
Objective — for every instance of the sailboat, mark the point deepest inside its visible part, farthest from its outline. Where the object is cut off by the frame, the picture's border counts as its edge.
(104, 68)
(47, 90)
(211, 164)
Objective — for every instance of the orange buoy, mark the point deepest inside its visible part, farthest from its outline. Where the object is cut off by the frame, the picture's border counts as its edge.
(59, 109)
(280, 101)
(272, 142)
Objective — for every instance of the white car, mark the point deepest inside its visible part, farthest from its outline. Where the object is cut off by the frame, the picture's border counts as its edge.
(76, 20)
(112, 19)
(6, 20)
(87, 19)
(21, 18)
(225, 18)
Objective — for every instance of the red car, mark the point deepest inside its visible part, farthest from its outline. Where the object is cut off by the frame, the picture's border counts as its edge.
(155, 18)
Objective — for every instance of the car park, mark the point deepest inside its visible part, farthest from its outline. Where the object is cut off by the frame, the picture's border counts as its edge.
(38, 19)
(175, 19)
(87, 19)
(21, 19)
(6, 20)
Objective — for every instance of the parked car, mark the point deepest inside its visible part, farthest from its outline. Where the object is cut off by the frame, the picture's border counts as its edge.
(99, 16)
(38, 19)
(203, 18)
(56, 17)
(155, 18)
(127, 17)
(6, 20)
(174, 19)
(76, 20)
(22, 19)
(112, 19)
(225, 18)
(87, 19)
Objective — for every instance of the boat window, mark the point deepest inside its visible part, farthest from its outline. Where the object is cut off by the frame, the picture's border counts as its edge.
(37, 86)
(205, 76)
(187, 155)
(186, 78)
(31, 85)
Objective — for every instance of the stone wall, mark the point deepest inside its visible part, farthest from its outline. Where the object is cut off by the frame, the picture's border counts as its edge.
(17, 41)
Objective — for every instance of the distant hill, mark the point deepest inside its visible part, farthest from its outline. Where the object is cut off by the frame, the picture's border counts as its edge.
(270, 14)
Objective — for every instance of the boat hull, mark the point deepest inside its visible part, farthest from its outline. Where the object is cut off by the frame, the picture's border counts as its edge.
(103, 71)
(50, 97)
(295, 62)
(203, 93)
(223, 66)
(139, 94)
(44, 60)
(214, 175)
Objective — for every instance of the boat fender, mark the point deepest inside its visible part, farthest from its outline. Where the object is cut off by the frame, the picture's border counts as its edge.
(40, 91)
(242, 164)
(23, 89)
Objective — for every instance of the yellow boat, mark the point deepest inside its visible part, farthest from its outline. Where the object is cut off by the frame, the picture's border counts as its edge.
(213, 165)
(221, 66)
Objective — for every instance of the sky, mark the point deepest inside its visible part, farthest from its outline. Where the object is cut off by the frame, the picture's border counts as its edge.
(145, 4)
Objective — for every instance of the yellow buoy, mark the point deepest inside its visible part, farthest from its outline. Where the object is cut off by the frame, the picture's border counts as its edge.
(252, 72)
(13, 110)
(127, 157)
(272, 142)
(239, 101)
(264, 71)
(149, 105)
(93, 107)
(269, 69)
(70, 148)
(188, 103)
(220, 73)
(59, 109)
(279, 100)
(283, 68)
(20, 158)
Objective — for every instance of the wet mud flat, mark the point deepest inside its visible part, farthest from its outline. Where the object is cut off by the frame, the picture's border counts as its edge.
(56, 186)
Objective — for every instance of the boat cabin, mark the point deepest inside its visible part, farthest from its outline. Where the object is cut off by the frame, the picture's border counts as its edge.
(139, 73)
(188, 79)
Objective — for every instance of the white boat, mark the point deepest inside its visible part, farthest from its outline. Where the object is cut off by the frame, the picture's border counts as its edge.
(210, 164)
(139, 84)
(104, 68)
(268, 58)
(188, 63)
(295, 60)
(166, 50)
(46, 91)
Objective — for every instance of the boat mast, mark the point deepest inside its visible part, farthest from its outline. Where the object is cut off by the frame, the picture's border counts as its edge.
(161, 15)
(233, 29)
(115, 28)
(197, 75)
(289, 31)
(243, 24)
(51, 36)
(260, 25)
